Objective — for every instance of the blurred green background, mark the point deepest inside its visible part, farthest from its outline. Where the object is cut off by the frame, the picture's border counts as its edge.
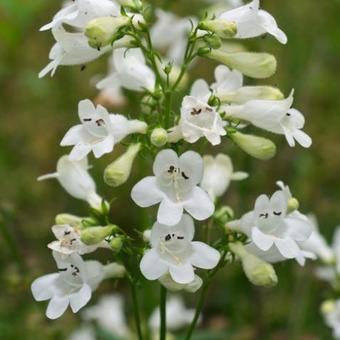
(36, 113)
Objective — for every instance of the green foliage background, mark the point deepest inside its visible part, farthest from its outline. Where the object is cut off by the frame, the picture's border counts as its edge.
(36, 113)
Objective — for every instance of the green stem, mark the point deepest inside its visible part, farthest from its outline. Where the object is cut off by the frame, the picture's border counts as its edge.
(162, 330)
(136, 309)
(201, 298)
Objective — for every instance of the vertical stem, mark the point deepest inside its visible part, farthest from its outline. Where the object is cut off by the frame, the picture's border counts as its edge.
(162, 330)
(136, 309)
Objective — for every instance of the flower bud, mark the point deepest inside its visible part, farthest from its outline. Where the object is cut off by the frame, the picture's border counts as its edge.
(223, 214)
(116, 244)
(159, 137)
(255, 65)
(327, 307)
(223, 28)
(293, 204)
(72, 220)
(89, 222)
(94, 235)
(147, 235)
(213, 41)
(118, 172)
(114, 270)
(257, 147)
(246, 93)
(258, 272)
(101, 31)
(173, 286)
(130, 3)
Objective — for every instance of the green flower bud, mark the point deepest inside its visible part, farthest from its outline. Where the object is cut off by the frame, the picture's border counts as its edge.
(94, 235)
(101, 31)
(204, 51)
(89, 222)
(224, 214)
(327, 307)
(159, 137)
(213, 41)
(118, 172)
(293, 204)
(221, 27)
(72, 220)
(258, 272)
(257, 147)
(255, 65)
(114, 270)
(116, 244)
(131, 3)
(246, 93)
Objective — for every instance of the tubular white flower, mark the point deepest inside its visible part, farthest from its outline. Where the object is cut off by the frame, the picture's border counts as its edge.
(275, 116)
(109, 314)
(251, 21)
(99, 131)
(228, 87)
(73, 176)
(198, 118)
(218, 172)
(70, 49)
(275, 234)
(73, 285)
(331, 314)
(173, 44)
(175, 187)
(173, 286)
(174, 252)
(79, 12)
(83, 333)
(68, 242)
(129, 70)
(178, 316)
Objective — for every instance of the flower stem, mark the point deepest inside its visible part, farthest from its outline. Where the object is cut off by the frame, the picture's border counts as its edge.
(201, 298)
(136, 309)
(162, 330)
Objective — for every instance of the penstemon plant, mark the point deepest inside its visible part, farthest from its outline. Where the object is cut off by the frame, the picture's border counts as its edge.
(153, 52)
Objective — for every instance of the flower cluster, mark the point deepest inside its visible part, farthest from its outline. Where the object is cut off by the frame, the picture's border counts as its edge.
(185, 186)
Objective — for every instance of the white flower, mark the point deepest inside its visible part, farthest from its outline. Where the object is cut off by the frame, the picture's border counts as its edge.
(252, 22)
(331, 314)
(70, 49)
(73, 285)
(109, 315)
(68, 242)
(73, 176)
(228, 87)
(317, 244)
(175, 43)
(80, 12)
(218, 172)
(174, 252)
(275, 233)
(177, 315)
(275, 116)
(198, 118)
(99, 131)
(129, 70)
(175, 187)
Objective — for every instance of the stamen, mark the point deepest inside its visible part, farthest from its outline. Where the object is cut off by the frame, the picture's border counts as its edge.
(67, 232)
(277, 213)
(196, 112)
(184, 175)
(62, 269)
(180, 237)
(264, 215)
(100, 122)
(87, 119)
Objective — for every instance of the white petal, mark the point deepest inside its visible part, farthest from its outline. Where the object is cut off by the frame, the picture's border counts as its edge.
(79, 152)
(302, 138)
(200, 90)
(163, 160)
(151, 265)
(239, 176)
(261, 240)
(288, 248)
(103, 147)
(146, 193)
(86, 109)
(300, 228)
(204, 256)
(57, 307)
(81, 298)
(182, 274)
(169, 213)
(41, 287)
(73, 136)
(192, 164)
(200, 206)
